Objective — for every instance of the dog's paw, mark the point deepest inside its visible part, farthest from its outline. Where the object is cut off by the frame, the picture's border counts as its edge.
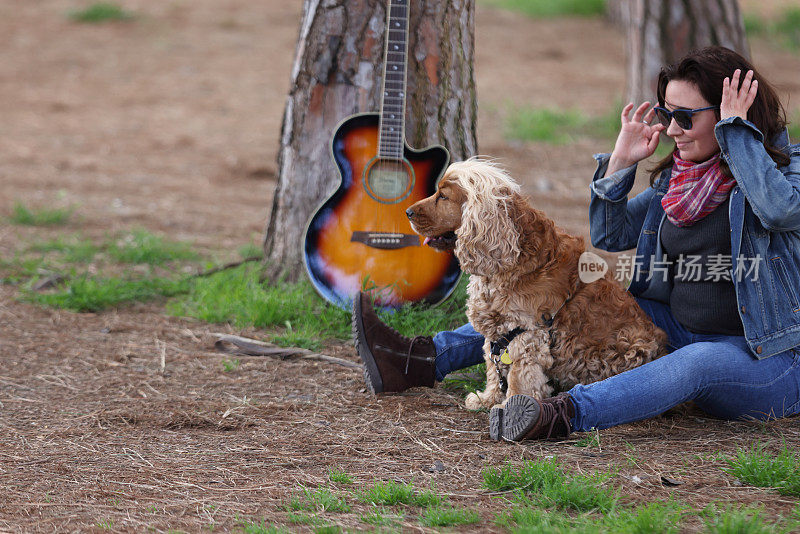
(473, 402)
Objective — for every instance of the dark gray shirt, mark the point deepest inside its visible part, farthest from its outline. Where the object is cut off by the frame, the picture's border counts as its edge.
(703, 298)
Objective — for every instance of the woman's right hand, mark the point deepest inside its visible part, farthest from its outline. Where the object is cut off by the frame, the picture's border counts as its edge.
(637, 139)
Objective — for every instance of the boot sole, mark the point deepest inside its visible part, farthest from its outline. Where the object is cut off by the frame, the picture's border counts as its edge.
(518, 417)
(372, 376)
(496, 424)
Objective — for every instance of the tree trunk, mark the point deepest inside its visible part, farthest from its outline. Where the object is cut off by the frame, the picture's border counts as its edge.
(337, 72)
(616, 12)
(660, 32)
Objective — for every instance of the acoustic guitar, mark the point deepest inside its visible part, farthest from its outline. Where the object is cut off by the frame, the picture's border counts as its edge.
(360, 237)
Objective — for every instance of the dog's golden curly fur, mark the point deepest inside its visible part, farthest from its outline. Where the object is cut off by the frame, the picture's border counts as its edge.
(523, 270)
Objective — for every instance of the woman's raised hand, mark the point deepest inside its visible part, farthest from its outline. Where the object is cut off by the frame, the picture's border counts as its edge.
(737, 100)
(637, 139)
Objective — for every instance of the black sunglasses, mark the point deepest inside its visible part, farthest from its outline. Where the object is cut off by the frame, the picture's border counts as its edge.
(682, 116)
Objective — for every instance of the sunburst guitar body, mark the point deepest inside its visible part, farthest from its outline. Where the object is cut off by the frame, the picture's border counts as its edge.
(360, 237)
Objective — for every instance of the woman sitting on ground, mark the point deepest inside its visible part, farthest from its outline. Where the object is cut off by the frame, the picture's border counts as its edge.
(730, 190)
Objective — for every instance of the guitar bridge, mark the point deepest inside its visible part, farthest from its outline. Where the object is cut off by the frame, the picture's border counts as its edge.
(385, 240)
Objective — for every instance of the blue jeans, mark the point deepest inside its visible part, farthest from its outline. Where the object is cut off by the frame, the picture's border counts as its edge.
(718, 372)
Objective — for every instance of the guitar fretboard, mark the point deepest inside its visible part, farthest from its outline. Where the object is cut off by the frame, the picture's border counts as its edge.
(393, 99)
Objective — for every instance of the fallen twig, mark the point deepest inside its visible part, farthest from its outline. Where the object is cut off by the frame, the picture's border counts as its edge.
(253, 347)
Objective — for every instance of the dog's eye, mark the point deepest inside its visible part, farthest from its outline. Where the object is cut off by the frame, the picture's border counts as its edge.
(441, 196)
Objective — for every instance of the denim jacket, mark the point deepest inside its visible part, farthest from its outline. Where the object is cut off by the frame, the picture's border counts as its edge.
(764, 212)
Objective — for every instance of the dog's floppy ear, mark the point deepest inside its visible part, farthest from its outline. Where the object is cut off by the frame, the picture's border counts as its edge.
(488, 239)
(538, 239)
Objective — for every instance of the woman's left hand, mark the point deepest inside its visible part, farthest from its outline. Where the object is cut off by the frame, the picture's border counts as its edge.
(737, 100)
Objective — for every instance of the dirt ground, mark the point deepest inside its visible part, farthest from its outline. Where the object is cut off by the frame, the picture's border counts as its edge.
(171, 123)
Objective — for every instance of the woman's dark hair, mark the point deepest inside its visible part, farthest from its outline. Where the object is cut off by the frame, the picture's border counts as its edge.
(707, 68)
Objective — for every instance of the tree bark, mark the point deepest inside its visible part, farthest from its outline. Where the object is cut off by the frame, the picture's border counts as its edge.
(616, 12)
(660, 32)
(337, 72)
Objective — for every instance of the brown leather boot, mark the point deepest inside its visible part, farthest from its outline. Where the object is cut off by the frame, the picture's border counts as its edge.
(392, 362)
(524, 417)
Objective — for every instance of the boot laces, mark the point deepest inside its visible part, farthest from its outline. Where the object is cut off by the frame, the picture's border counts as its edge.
(556, 411)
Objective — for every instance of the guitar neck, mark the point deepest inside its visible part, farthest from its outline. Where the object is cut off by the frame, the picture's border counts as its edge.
(393, 94)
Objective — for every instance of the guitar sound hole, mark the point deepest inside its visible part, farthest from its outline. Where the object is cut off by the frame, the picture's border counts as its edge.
(389, 181)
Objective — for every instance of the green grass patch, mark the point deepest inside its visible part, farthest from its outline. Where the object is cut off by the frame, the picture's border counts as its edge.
(794, 126)
(448, 516)
(72, 249)
(758, 467)
(319, 500)
(526, 519)
(19, 269)
(534, 508)
(783, 30)
(527, 477)
(545, 498)
(250, 250)
(137, 247)
(65, 261)
(544, 125)
(737, 521)
(385, 500)
(251, 527)
(313, 520)
(590, 440)
(230, 365)
(302, 518)
(560, 126)
(91, 294)
(467, 380)
(755, 25)
(234, 295)
(552, 8)
(237, 296)
(581, 494)
(381, 517)
(663, 518)
(143, 247)
(544, 483)
(787, 27)
(423, 319)
(23, 215)
(101, 12)
(392, 494)
(339, 476)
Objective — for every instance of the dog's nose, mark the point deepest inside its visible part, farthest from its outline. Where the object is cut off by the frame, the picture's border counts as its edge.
(410, 213)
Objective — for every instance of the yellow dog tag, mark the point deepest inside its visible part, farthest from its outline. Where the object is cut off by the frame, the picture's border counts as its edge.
(505, 357)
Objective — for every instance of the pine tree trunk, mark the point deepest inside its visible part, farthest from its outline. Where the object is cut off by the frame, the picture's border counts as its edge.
(616, 12)
(337, 72)
(660, 32)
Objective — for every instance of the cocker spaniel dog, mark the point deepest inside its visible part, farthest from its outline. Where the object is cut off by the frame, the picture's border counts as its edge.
(545, 329)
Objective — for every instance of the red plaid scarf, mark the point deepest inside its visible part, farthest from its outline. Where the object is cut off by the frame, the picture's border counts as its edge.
(695, 189)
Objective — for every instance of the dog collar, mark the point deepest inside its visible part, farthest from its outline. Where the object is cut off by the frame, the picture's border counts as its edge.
(500, 346)
(504, 341)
